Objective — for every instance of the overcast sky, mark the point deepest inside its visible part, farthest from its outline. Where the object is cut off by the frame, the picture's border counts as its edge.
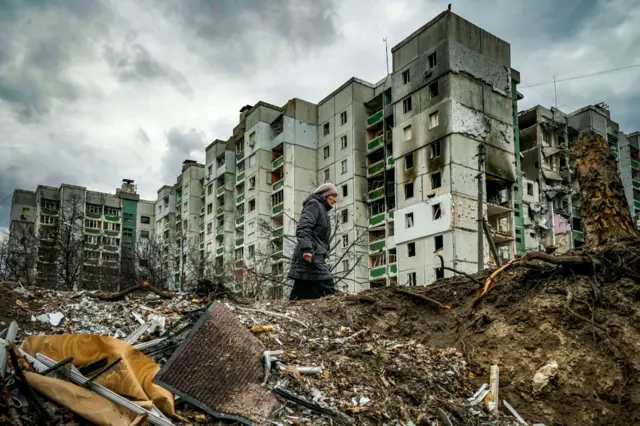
(95, 91)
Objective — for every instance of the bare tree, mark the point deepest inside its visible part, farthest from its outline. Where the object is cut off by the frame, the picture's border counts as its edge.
(4, 256)
(153, 262)
(21, 255)
(69, 243)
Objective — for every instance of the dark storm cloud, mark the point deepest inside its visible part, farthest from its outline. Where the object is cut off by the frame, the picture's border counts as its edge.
(181, 145)
(134, 63)
(230, 31)
(40, 40)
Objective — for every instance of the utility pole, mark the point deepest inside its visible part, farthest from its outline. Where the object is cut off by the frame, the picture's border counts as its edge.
(480, 213)
(386, 51)
(555, 91)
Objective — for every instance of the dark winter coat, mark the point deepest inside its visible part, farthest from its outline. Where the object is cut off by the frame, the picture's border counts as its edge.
(313, 234)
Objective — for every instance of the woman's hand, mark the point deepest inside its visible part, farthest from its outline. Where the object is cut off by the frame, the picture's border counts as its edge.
(308, 257)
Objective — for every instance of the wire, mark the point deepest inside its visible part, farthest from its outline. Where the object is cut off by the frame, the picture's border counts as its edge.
(6, 198)
(581, 76)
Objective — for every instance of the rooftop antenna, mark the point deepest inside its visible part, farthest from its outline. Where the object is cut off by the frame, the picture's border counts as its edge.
(386, 51)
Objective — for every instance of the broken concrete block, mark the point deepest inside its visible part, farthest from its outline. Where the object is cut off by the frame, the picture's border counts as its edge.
(543, 375)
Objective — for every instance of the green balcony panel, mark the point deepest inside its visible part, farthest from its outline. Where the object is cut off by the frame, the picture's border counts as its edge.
(91, 262)
(239, 156)
(374, 144)
(92, 231)
(88, 215)
(278, 185)
(240, 178)
(112, 233)
(278, 232)
(376, 195)
(393, 269)
(239, 242)
(390, 215)
(390, 162)
(220, 191)
(277, 163)
(375, 169)
(240, 199)
(220, 211)
(378, 271)
(112, 218)
(220, 230)
(219, 251)
(377, 246)
(201, 246)
(111, 248)
(202, 228)
(240, 220)
(615, 154)
(91, 246)
(635, 164)
(374, 118)
(377, 219)
(636, 184)
(636, 204)
(277, 209)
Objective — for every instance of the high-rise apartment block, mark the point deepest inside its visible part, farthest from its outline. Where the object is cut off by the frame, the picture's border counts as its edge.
(432, 163)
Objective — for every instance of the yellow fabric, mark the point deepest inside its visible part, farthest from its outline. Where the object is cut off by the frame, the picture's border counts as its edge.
(89, 405)
(132, 378)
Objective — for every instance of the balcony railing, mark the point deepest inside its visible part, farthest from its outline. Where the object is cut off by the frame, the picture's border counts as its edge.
(178, 201)
(390, 162)
(88, 214)
(378, 272)
(239, 242)
(240, 221)
(201, 246)
(240, 199)
(376, 194)
(377, 245)
(240, 178)
(636, 183)
(220, 211)
(219, 251)
(112, 218)
(635, 164)
(201, 210)
(278, 185)
(220, 191)
(276, 210)
(202, 227)
(377, 219)
(375, 169)
(90, 230)
(374, 144)
(636, 204)
(393, 269)
(278, 232)
(219, 230)
(277, 162)
(390, 216)
(239, 156)
(374, 119)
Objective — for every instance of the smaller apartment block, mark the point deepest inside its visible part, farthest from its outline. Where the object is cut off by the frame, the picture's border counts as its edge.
(92, 234)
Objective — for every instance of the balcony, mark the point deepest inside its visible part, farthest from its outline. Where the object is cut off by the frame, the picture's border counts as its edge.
(393, 269)
(201, 211)
(277, 162)
(390, 162)
(636, 204)
(220, 191)
(240, 221)
(377, 246)
(201, 246)
(178, 201)
(378, 272)
(219, 251)
(110, 248)
(375, 144)
(240, 199)
(202, 227)
(87, 215)
(278, 232)
(276, 210)
(390, 216)
(112, 218)
(166, 225)
(375, 169)
(239, 156)
(377, 219)
(376, 194)
(374, 119)
(89, 230)
(219, 230)
(239, 242)
(635, 164)
(277, 186)
(220, 211)
(240, 178)
(636, 184)
(578, 236)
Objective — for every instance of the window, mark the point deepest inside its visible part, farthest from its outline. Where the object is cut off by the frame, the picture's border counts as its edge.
(252, 251)
(252, 160)
(326, 151)
(185, 206)
(345, 215)
(91, 239)
(111, 241)
(325, 129)
(239, 254)
(251, 227)
(406, 77)
(343, 118)
(252, 205)
(209, 170)
(408, 190)
(252, 182)
(436, 211)
(434, 120)
(90, 209)
(412, 279)
(209, 228)
(159, 209)
(408, 161)
(110, 211)
(439, 274)
(326, 175)
(343, 141)
(407, 133)
(144, 234)
(343, 165)
(530, 189)
(434, 150)
(209, 247)
(210, 189)
(345, 240)
(93, 255)
(345, 190)
(93, 224)
(145, 219)
(408, 220)
(433, 60)
(411, 249)
(209, 208)
(436, 180)
(220, 161)
(252, 140)
(345, 265)
(406, 105)
(50, 205)
(434, 90)
(438, 242)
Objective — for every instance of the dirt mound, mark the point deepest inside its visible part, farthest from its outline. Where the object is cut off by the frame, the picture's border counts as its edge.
(587, 321)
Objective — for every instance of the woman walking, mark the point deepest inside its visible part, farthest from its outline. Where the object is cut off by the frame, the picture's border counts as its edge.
(311, 274)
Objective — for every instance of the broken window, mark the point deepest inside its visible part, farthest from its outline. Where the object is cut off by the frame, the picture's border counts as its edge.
(408, 161)
(438, 242)
(436, 211)
(434, 150)
(408, 190)
(252, 139)
(209, 227)
(144, 234)
(252, 205)
(343, 118)
(252, 251)
(252, 182)
(434, 90)
(345, 215)
(344, 166)
(91, 208)
(530, 189)
(343, 141)
(407, 133)
(93, 224)
(210, 189)
(406, 77)
(91, 239)
(345, 240)
(408, 220)
(145, 219)
(439, 274)
(345, 190)
(434, 120)
(412, 279)
(326, 151)
(411, 249)
(436, 180)
(433, 60)
(220, 161)
(326, 175)
(406, 105)
(345, 265)
(326, 129)
(209, 208)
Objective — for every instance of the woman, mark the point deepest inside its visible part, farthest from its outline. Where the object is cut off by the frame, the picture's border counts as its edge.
(311, 275)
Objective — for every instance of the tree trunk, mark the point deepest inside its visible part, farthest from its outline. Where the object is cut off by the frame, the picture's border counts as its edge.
(606, 217)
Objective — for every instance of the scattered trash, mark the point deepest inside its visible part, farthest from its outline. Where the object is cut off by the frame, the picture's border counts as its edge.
(544, 374)
(514, 412)
(492, 398)
(53, 318)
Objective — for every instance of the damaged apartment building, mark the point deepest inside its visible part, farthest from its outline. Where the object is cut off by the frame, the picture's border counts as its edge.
(551, 191)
